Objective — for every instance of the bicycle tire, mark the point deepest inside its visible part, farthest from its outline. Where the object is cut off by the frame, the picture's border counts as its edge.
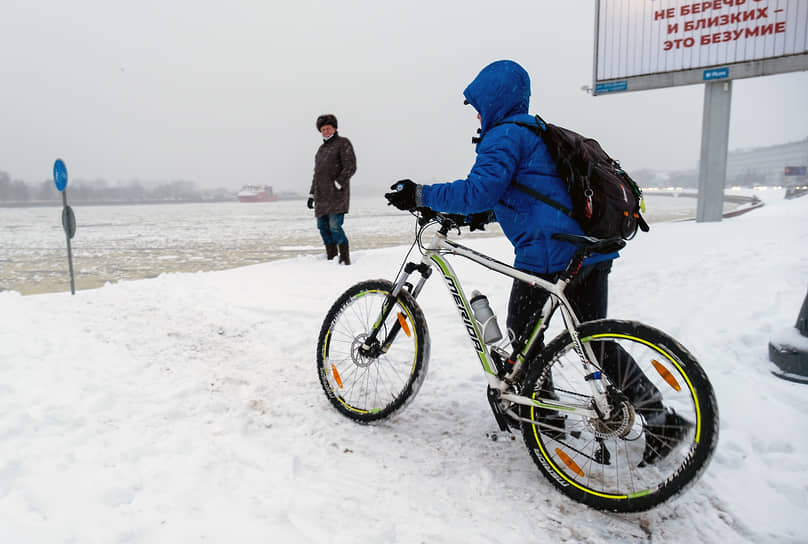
(587, 459)
(368, 389)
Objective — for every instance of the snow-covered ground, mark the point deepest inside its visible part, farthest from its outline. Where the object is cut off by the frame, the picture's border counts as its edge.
(186, 408)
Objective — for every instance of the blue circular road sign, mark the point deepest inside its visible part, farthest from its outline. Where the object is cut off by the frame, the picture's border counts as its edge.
(60, 174)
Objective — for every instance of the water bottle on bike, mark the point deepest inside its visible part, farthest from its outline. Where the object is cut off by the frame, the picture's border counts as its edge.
(485, 318)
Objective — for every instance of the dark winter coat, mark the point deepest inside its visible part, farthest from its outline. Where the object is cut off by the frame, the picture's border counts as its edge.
(334, 161)
(501, 92)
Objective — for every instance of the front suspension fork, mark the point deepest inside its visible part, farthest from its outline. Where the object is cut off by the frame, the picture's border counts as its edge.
(372, 347)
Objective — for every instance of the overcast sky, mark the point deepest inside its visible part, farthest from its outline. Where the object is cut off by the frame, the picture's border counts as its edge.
(226, 93)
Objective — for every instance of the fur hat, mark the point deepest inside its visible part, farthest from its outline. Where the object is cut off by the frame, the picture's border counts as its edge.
(326, 119)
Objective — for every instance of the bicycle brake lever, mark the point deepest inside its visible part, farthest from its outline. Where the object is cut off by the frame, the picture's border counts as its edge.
(425, 215)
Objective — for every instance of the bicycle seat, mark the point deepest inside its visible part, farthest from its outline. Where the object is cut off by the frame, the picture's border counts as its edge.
(590, 244)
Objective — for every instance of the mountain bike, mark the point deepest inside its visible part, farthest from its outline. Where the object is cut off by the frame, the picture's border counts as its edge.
(592, 428)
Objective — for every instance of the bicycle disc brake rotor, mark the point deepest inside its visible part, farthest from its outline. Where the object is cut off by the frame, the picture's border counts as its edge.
(618, 425)
(360, 360)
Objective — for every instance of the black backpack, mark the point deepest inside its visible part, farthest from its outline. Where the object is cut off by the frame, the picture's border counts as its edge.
(605, 200)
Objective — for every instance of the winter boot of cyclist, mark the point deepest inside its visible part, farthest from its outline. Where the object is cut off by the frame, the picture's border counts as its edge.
(344, 254)
(663, 432)
(330, 251)
(664, 428)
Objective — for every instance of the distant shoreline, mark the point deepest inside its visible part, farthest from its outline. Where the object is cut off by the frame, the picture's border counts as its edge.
(736, 199)
(58, 203)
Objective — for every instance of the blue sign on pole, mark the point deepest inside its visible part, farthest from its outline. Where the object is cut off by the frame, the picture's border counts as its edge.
(60, 174)
(716, 73)
(611, 87)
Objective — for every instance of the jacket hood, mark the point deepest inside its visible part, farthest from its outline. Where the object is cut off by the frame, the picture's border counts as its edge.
(500, 90)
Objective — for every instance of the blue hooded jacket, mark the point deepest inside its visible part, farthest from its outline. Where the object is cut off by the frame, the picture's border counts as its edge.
(501, 93)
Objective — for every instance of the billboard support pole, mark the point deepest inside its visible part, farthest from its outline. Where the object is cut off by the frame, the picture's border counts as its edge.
(714, 144)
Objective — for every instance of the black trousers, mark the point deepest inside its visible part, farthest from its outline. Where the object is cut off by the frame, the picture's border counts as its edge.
(588, 293)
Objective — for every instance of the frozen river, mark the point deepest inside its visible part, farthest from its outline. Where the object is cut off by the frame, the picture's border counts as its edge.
(114, 243)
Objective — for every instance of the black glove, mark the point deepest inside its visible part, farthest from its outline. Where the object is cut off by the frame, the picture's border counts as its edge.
(310, 203)
(458, 219)
(477, 221)
(403, 195)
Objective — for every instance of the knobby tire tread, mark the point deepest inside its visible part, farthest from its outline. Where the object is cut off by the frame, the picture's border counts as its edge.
(417, 375)
(695, 463)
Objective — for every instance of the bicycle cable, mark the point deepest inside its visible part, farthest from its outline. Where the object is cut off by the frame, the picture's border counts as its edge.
(432, 221)
(407, 255)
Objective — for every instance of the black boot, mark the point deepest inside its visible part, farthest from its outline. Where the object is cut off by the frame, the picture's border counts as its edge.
(663, 432)
(331, 251)
(344, 255)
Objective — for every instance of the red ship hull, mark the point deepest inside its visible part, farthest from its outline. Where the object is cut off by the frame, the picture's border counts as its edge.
(253, 193)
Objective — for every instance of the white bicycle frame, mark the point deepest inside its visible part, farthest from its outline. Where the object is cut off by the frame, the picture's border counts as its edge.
(433, 257)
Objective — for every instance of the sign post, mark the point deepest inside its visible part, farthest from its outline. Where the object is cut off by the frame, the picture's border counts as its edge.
(713, 161)
(68, 218)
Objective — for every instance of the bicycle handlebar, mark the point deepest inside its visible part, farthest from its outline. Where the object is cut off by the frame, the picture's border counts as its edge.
(586, 245)
(446, 220)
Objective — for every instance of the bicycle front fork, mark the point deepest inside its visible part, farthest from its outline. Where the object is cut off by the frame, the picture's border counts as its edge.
(594, 378)
(372, 347)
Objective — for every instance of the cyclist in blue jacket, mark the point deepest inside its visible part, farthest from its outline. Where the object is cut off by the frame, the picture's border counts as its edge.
(508, 152)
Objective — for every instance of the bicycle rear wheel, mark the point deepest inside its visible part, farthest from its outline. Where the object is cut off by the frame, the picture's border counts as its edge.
(662, 431)
(368, 385)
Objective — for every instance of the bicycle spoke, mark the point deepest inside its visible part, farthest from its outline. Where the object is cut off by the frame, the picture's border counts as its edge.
(646, 448)
(365, 382)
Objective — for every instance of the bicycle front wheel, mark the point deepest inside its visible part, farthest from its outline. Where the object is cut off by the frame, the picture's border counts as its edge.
(371, 383)
(659, 436)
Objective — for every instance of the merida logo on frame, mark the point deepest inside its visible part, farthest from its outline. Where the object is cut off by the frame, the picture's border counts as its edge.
(464, 315)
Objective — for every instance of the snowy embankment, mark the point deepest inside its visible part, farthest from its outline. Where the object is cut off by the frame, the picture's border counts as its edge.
(186, 408)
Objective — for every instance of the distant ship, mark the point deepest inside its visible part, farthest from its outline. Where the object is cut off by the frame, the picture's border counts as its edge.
(256, 193)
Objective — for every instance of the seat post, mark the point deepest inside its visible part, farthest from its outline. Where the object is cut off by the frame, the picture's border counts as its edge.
(575, 264)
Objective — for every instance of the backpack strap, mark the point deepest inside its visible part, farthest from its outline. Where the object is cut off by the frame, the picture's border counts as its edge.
(538, 130)
(544, 198)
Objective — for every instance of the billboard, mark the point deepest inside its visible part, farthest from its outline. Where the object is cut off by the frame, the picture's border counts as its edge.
(647, 44)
